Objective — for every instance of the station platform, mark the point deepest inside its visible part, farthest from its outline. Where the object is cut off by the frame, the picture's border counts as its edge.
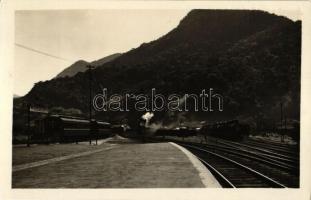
(115, 163)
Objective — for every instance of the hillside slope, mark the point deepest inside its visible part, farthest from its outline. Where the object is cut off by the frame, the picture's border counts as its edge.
(81, 66)
(252, 58)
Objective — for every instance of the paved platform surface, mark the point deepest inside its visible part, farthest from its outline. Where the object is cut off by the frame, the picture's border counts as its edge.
(116, 163)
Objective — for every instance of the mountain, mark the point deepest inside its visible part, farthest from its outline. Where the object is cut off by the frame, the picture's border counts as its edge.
(81, 65)
(16, 96)
(250, 57)
(106, 59)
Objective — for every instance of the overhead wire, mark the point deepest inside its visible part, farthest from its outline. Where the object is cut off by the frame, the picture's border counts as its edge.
(41, 52)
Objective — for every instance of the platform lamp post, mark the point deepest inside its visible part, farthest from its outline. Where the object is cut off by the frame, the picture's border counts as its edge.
(90, 67)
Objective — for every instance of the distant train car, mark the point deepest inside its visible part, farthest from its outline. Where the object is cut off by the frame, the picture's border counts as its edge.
(136, 130)
(119, 128)
(232, 130)
(184, 131)
(178, 131)
(56, 128)
(65, 129)
(39, 129)
(165, 132)
(102, 129)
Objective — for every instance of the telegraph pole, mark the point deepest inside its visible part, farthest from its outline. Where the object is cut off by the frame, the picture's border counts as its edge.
(28, 125)
(281, 105)
(90, 67)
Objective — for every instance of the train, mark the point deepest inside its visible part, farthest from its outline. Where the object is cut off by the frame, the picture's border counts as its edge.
(231, 130)
(182, 131)
(62, 129)
(58, 128)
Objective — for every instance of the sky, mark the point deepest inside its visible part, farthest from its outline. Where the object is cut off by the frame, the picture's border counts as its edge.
(48, 41)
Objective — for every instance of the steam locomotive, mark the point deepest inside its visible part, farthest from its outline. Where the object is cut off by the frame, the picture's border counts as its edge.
(57, 128)
(232, 130)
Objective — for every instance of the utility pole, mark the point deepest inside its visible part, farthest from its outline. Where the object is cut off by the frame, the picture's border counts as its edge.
(90, 67)
(281, 105)
(285, 128)
(285, 123)
(28, 125)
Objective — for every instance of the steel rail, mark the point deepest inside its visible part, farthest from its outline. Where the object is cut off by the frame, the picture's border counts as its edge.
(268, 179)
(261, 157)
(258, 148)
(210, 167)
(273, 147)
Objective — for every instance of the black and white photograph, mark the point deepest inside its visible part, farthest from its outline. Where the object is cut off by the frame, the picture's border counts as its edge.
(149, 98)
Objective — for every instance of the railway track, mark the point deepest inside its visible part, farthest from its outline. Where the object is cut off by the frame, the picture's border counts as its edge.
(283, 163)
(282, 172)
(284, 149)
(263, 149)
(230, 173)
(274, 143)
(279, 166)
(290, 156)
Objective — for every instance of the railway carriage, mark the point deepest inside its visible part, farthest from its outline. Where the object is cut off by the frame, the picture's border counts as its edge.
(65, 129)
(232, 130)
(102, 129)
(178, 131)
(57, 128)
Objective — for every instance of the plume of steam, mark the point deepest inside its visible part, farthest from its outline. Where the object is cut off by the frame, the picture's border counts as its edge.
(147, 117)
(155, 126)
